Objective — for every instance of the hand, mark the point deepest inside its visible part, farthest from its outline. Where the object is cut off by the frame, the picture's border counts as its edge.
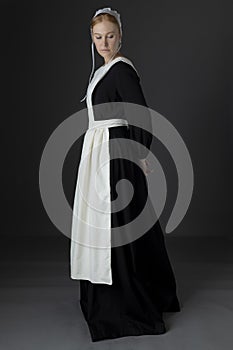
(144, 164)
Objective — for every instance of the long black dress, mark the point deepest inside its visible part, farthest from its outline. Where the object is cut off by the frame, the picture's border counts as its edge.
(144, 285)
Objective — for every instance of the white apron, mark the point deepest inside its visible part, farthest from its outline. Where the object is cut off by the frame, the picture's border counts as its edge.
(90, 252)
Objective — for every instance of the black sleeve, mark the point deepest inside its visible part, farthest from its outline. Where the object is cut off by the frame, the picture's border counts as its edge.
(129, 89)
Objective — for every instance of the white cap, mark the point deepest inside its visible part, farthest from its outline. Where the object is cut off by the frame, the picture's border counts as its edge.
(117, 16)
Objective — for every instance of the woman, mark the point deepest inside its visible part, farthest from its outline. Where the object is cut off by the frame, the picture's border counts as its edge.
(124, 288)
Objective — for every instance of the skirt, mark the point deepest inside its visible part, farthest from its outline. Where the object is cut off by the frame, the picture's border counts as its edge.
(144, 285)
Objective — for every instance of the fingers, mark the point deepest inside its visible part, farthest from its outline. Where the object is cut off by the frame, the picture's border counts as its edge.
(145, 166)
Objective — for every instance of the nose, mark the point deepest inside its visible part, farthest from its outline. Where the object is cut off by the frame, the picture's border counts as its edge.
(105, 42)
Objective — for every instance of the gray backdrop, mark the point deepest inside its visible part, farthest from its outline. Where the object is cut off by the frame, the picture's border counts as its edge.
(183, 52)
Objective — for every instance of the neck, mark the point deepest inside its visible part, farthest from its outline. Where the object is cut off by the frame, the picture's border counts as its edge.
(112, 58)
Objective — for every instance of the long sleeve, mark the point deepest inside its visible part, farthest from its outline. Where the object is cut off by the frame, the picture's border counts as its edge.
(129, 89)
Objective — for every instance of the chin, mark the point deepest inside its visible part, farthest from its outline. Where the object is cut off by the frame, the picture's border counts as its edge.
(105, 54)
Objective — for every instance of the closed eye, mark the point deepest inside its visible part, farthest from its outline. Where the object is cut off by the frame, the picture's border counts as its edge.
(99, 37)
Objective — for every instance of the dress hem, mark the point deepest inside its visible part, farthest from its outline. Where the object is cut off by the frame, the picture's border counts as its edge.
(129, 328)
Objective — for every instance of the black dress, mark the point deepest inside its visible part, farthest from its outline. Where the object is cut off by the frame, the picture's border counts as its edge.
(144, 285)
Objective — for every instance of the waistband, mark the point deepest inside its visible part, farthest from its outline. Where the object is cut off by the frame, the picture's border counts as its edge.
(107, 123)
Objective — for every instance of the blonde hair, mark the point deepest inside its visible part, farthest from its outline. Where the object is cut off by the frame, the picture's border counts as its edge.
(104, 16)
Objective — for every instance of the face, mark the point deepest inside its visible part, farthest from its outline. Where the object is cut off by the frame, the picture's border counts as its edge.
(106, 38)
